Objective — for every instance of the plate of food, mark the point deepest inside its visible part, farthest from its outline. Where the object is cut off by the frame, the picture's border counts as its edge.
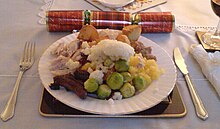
(110, 72)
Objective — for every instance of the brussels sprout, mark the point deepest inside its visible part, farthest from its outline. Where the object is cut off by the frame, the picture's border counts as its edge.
(108, 62)
(126, 76)
(139, 83)
(121, 66)
(91, 85)
(127, 90)
(103, 91)
(115, 81)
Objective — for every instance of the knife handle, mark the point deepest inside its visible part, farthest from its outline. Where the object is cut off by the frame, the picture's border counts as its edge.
(199, 107)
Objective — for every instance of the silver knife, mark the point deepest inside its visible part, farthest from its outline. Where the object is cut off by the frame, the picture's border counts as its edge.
(199, 107)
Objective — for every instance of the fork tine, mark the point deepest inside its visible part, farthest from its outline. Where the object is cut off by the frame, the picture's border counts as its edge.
(32, 52)
(26, 58)
(28, 53)
(24, 53)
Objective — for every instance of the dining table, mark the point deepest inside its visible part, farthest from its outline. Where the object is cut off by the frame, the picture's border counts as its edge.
(23, 21)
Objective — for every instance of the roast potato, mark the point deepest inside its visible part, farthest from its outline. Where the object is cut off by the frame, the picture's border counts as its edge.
(132, 31)
(123, 38)
(88, 33)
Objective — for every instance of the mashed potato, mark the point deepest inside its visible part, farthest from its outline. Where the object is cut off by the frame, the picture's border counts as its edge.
(110, 48)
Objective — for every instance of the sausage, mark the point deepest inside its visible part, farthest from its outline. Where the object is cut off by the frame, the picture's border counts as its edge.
(71, 84)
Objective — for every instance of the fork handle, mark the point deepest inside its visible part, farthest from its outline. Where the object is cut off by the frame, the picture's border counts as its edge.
(10, 107)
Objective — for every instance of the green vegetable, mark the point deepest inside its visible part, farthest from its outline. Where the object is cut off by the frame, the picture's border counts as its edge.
(127, 76)
(103, 91)
(127, 90)
(139, 83)
(108, 62)
(121, 66)
(91, 85)
(115, 81)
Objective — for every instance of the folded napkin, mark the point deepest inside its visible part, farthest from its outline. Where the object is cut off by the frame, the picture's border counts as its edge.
(210, 64)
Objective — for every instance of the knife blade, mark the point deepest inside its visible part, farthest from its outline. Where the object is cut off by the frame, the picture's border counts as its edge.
(199, 107)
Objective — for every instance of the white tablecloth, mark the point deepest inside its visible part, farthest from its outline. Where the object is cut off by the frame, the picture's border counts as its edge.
(19, 23)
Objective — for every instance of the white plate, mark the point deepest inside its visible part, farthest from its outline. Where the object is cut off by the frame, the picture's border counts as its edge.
(150, 97)
(115, 3)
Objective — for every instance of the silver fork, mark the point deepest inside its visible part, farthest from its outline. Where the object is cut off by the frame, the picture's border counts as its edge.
(26, 62)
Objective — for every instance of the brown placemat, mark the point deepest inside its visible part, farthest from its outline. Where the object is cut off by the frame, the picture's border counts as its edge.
(173, 106)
